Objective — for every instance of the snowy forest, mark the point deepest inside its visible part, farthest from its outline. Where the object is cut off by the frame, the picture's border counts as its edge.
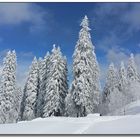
(47, 91)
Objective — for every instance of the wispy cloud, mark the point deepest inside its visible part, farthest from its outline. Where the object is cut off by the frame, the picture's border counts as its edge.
(126, 13)
(19, 13)
(108, 41)
(117, 23)
(132, 17)
(116, 55)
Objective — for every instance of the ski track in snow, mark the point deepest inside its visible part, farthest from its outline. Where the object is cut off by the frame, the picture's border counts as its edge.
(96, 121)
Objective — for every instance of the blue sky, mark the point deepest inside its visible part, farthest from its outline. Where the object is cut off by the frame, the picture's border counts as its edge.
(32, 29)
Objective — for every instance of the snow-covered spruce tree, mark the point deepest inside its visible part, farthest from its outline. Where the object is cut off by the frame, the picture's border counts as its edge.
(85, 86)
(122, 77)
(133, 80)
(110, 91)
(132, 73)
(8, 89)
(43, 75)
(30, 93)
(56, 85)
(17, 103)
(70, 110)
(96, 83)
(116, 99)
(39, 96)
(123, 84)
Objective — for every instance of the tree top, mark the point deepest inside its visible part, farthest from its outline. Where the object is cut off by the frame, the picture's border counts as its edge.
(85, 22)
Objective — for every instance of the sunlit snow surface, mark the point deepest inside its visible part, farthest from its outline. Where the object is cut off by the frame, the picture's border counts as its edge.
(92, 124)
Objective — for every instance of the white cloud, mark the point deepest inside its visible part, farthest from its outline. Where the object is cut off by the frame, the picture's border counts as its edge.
(127, 14)
(121, 21)
(107, 9)
(116, 55)
(132, 17)
(107, 42)
(18, 13)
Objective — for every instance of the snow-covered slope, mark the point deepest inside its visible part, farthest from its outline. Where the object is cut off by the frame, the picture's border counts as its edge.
(92, 124)
(130, 109)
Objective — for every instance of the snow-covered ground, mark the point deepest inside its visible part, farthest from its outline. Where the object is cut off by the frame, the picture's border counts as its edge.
(130, 109)
(92, 124)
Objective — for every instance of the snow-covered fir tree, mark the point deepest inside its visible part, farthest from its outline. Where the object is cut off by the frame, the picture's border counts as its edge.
(43, 75)
(70, 110)
(85, 86)
(110, 90)
(133, 80)
(116, 101)
(95, 82)
(123, 84)
(122, 77)
(132, 73)
(57, 87)
(17, 103)
(41, 64)
(8, 89)
(30, 93)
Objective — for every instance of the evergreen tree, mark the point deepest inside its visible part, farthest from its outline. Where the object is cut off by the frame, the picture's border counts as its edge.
(133, 80)
(115, 101)
(43, 75)
(122, 77)
(70, 110)
(111, 80)
(110, 90)
(132, 73)
(56, 88)
(123, 86)
(85, 86)
(8, 89)
(30, 93)
(39, 97)
(95, 83)
(17, 103)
